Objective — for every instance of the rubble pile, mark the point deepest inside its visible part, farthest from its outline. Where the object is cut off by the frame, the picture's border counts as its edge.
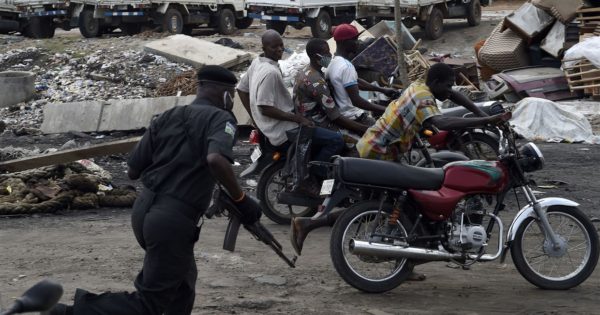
(72, 76)
(77, 186)
(181, 84)
(540, 33)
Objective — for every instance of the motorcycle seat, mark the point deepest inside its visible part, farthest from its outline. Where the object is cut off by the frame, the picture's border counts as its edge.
(389, 174)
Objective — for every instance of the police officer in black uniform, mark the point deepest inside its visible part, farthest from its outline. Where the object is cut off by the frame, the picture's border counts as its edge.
(179, 158)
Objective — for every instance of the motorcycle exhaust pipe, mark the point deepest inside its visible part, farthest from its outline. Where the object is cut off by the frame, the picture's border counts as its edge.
(394, 251)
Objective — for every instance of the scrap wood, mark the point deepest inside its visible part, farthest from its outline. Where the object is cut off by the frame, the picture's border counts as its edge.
(416, 64)
(107, 148)
(184, 83)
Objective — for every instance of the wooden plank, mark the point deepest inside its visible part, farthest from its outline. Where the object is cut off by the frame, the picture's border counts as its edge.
(66, 156)
(586, 10)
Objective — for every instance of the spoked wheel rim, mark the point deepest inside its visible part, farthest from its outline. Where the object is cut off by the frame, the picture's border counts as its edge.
(370, 268)
(276, 185)
(561, 263)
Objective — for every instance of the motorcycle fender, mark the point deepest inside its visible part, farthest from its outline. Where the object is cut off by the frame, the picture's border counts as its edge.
(528, 211)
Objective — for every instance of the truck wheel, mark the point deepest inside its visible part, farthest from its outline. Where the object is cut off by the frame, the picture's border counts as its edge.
(131, 28)
(244, 23)
(474, 13)
(226, 22)
(40, 27)
(172, 21)
(321, 26)
(88, 25)
(278, 26)
(434, 26)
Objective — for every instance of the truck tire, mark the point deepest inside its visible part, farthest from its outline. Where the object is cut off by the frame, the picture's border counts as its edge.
(40, 27)
(226, 22)
(172, 21)
(474, 13)
(434, 26)
(131, 28)
(88, 25)
(278, 26)
(244, 23)
(321, 26)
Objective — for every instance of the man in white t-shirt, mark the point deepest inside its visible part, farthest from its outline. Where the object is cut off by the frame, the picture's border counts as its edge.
(345, 82)
(263, 91)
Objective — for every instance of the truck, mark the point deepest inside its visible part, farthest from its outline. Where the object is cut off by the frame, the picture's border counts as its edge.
(96, 17)
(9, 18)
(428, 14)
(321, 16)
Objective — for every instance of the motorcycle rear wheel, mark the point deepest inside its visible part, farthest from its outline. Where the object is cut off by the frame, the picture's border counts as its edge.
(270, 184)
(368, 274)
(553, 269)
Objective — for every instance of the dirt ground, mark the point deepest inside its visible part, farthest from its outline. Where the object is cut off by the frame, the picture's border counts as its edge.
(96, 249)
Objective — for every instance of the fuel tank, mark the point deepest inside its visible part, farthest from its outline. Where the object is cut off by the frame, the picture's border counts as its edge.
(462, 178)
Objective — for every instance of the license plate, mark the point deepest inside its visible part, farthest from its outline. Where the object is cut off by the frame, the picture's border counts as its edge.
(255, 154)
(327, 187)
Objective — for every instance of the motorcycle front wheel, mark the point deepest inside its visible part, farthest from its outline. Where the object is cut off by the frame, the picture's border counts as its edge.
(479, 146)
(556, 268)
(271, 183)
(367, 273)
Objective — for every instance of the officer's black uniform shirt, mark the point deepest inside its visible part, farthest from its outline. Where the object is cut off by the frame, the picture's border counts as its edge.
(172, 153)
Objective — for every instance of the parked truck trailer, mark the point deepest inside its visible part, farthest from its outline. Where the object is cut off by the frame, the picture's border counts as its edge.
(428, 14)
(322, 15)
(96, 17)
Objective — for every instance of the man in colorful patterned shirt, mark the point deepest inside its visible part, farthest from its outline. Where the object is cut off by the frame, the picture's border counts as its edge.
(312, 95)
(394, 131)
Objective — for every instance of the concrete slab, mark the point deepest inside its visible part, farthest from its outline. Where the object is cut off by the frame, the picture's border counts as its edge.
(78, 116)
(117, 115)
(137, 113)
(197, 52)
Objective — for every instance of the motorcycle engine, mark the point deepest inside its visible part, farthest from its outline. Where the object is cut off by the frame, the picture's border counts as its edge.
(466, 231)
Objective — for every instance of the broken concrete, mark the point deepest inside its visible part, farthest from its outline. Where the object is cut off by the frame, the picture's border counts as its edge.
(197, 52)
(117, 115)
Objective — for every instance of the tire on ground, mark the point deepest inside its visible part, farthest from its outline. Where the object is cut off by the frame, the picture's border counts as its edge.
(434, 26)
(321, 26)
(474, 13)
(172, 21)
(88, 25)
(226, 22)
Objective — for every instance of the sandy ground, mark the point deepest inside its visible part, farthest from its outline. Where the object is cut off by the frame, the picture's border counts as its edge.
(96, 249)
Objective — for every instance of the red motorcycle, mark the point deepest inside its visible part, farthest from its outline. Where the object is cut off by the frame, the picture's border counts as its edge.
(448, 214)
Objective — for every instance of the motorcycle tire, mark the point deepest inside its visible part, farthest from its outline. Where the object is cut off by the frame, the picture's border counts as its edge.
(478, 146)
(269, 185)
(526, 258)
(347, 264)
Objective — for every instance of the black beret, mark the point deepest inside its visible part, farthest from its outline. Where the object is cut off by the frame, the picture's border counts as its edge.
(217, 74)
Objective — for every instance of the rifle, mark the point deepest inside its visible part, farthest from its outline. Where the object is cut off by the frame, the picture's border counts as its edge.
(221, 202)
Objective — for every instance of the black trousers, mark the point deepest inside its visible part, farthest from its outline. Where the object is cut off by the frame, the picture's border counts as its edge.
(167, 230)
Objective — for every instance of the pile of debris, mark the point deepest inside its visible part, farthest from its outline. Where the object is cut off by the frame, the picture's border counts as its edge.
(75, 186)
(537, 34)
(71, 76)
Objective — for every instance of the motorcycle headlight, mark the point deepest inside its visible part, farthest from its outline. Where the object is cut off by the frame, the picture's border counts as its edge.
(532, 158)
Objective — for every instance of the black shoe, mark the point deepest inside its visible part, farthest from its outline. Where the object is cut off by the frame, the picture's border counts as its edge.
(59, 309)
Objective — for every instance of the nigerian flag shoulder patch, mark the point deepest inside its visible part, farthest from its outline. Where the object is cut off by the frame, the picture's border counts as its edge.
(230, 128)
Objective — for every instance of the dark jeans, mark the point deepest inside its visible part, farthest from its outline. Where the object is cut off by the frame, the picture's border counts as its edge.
(325, 144)
(166, 284)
